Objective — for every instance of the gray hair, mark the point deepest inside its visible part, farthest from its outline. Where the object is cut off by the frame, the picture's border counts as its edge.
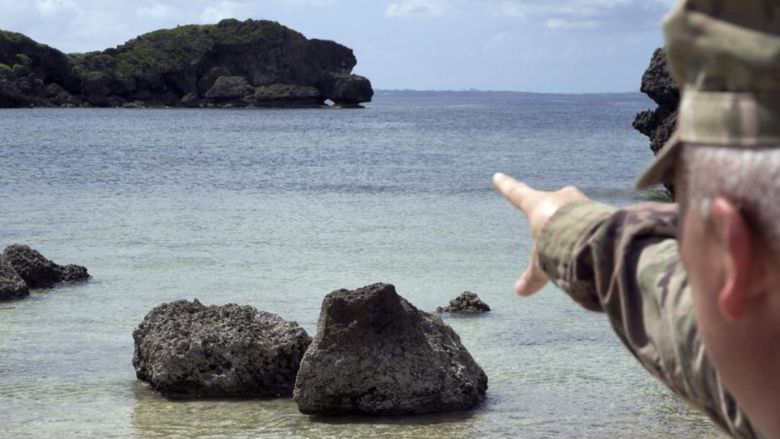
(748, 177)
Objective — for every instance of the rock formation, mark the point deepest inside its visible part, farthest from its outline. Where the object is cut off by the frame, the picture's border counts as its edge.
(658, 84)
(186, 349)
(232, 63)
(377, 354)
(39, 272)
(466, 303)
(28, 70)
(12, 286)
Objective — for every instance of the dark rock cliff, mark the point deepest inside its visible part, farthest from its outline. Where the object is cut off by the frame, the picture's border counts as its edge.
(229, 64)
(659, 124)
(658, 84)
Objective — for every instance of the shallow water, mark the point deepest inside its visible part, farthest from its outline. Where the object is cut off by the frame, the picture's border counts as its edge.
(276, 208)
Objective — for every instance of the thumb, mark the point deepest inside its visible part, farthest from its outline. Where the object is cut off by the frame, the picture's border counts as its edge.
(533, 278)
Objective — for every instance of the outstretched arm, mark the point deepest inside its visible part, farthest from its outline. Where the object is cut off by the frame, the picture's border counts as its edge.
(625, 263)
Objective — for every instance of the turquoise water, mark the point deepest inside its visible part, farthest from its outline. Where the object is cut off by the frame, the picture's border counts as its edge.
(276, 208)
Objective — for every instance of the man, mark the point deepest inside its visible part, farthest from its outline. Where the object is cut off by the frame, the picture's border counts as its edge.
(718, 287)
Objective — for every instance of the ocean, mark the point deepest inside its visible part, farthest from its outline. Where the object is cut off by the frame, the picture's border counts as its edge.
(275, 209)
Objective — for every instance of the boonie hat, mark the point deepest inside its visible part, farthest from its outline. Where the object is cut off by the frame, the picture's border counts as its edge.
(725, 54)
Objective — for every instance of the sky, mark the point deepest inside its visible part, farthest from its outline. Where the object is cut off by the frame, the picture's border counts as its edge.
(568, 46)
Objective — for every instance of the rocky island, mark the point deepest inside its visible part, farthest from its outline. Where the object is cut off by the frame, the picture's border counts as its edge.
(252, 63)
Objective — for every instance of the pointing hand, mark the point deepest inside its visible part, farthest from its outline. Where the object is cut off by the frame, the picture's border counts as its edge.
(538, 207)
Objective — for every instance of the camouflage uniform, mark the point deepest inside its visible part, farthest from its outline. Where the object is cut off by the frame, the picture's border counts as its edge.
(626, 263)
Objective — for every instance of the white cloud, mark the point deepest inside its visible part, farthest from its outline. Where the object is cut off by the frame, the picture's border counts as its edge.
(219, 11)
(577, 14)
(417, 8)
(562, 23)
(156, 11)
(307, 2)
(53, 7)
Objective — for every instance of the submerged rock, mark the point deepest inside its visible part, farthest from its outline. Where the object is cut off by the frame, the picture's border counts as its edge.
(12, 286)
(186, 349)
(39, 272)
(376, 354)
(466, 303)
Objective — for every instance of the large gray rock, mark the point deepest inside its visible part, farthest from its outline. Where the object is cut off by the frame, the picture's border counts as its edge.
(12, 286)
(186, 349)
(376, 354)
(466, 303)
(39, 272)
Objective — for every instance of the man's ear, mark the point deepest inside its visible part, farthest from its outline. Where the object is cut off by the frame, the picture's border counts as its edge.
(739, 244)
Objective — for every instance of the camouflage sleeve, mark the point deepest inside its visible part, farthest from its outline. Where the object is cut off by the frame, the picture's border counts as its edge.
(626, 264)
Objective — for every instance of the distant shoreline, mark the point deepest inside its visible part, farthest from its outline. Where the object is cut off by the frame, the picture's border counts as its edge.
(378, 96)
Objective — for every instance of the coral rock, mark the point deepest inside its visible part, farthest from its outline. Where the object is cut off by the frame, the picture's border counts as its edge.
(186, 349)
(39, 272)
(466, 303)
(376, 354)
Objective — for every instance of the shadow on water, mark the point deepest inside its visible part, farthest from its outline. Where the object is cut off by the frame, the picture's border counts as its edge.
(156, 417)
(420, 420)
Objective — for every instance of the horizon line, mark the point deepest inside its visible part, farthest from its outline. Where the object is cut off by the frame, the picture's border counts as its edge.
(477, 90)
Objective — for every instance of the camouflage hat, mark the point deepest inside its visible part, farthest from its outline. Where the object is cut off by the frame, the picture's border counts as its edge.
(725, 54)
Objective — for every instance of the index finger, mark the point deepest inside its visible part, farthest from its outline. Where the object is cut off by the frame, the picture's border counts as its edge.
(519, 194)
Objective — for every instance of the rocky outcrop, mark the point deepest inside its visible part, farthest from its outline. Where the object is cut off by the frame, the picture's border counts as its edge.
(26, 67)
(232, 63)
(466, 303)
(659, 124)
(286, 95)
(347, 90)
(39, 272)
(657, 83)
(376, 354)
(227, 88)
(186, 349)
(12, 286)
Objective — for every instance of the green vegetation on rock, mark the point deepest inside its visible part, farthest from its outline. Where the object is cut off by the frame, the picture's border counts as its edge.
(186, 65)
